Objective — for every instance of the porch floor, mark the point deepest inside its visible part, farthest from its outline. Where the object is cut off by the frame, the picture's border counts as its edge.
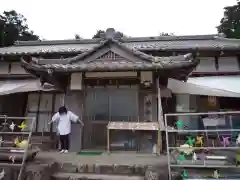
(119, 158)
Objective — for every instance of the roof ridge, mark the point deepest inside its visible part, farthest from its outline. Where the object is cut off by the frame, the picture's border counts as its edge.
(56, 42)
(124, 39)
(226, 39)
(171, 38)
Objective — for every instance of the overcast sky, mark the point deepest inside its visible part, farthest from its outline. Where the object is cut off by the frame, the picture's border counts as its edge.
(62, 19)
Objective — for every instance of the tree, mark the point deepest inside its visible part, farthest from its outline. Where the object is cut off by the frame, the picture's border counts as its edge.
(230, 23)
(99, 34)
(13, 27)
(77, 36)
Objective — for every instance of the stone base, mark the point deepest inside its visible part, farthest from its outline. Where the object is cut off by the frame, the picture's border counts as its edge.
(113, 171)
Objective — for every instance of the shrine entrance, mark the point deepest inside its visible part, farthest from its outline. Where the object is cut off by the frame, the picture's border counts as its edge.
(118, 103)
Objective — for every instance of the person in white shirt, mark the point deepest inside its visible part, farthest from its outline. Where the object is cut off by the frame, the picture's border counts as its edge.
(64, 118)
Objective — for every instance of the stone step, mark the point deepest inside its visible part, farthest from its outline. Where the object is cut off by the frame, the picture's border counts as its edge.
(89, 176)
(138, 170)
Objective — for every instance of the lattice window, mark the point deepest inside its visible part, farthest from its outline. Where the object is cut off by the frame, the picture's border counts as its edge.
(110, 56)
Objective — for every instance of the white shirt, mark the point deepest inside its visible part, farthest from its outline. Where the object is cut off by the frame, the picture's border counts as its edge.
(64, 122)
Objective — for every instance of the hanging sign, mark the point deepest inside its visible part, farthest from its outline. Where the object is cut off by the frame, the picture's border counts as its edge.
(212, 101)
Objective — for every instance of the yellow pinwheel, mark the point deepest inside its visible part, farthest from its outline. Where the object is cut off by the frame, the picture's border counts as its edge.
(23, 126)
(21, 144)
(199, 141)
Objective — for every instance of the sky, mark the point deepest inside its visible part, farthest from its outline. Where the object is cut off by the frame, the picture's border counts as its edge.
(61, 19)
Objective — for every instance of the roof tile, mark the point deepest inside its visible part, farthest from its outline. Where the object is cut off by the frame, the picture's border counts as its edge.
(207, 42)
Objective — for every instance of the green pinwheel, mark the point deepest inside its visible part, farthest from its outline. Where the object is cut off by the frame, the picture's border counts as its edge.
(181, 157)
(190, 140)
(185, 175)
(179, 124)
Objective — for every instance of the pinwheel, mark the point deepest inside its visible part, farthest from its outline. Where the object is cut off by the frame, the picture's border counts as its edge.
(1, 140)
(194, 158)
(23, 126)
(225, 141)
(181, 157)
(216, 175)
(2, 174)
(23, 144)
(185, 175)
(12, 158)
(237, 157)
(12, 126)
(180, 124)
(190, 141)
(199, 141)
(238, 139)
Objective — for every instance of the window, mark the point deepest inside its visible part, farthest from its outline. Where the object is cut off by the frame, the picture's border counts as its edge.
(187, 103)
(228, 64)
(123, 104)
(112, 103)
(207, 64)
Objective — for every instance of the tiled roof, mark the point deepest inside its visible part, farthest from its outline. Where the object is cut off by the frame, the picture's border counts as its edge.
(202, 42)
(180, 61)
(115, 66)
(127, 62)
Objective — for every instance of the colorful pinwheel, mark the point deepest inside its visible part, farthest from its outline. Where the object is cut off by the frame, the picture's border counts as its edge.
(181, 157)
(216, 174)
(12, 126)
(190, 140)
(23, 126)
(180, 124)
(185, 175)
(225, 141)
(199, 141)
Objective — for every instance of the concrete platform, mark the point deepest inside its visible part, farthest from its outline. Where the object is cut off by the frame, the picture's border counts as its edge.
(122, 165)
(121, 158)
(67, 176)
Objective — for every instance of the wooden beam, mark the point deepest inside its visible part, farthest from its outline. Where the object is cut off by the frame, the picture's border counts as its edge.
(160, 117)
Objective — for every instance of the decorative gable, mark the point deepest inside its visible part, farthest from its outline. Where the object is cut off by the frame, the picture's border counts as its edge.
(110, 55)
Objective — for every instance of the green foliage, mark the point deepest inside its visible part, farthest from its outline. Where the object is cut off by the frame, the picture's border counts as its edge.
(77, 36)
(99, 34)
(13, 27)
(230, 23)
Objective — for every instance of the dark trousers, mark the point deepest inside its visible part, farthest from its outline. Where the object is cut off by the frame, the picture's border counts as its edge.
(64, 140)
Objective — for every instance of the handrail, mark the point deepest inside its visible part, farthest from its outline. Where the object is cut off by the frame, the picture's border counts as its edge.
(26, 150)
(6, 118)
(204, 131)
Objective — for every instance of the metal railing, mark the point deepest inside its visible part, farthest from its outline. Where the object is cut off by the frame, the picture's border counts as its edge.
(176, 132)
(29, 133)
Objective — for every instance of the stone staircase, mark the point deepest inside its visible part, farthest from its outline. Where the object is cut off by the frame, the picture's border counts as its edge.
(103, 172)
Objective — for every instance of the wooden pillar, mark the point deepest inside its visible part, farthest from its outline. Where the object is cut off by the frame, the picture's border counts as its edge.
(108, 141)
(160, 116)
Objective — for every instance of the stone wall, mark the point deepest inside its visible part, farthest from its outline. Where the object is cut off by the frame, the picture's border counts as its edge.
(33, 171)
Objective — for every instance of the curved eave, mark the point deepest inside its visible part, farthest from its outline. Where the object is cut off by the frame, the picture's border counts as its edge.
(174, 70)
